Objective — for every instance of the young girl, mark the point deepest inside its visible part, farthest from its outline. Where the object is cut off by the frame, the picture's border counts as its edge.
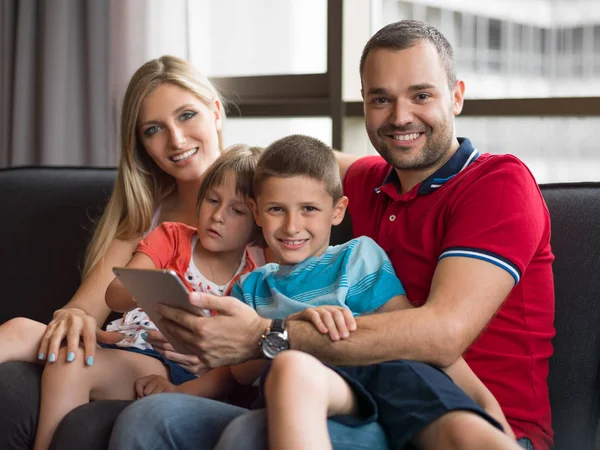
(208, 258)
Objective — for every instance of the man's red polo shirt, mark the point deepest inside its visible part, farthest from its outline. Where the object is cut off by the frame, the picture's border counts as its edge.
(487, 207)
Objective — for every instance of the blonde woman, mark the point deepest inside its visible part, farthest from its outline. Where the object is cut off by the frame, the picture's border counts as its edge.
(171, 124)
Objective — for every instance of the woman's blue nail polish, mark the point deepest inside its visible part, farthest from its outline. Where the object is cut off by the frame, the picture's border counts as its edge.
(90, 360)
(52, 357)
(70, 357)
(144, 336)
(41, 355)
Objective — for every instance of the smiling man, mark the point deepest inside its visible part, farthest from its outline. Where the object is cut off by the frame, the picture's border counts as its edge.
(468, 235)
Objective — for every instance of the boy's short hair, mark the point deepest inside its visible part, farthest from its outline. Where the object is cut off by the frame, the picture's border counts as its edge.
(241, 159)
(300, 155)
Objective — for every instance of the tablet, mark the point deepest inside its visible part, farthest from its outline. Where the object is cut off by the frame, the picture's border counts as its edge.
(149, 287)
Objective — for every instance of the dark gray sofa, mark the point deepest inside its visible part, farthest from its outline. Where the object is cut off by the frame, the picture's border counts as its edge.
(49, 212)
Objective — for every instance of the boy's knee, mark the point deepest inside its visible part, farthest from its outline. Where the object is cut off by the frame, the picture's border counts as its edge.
(294, 368)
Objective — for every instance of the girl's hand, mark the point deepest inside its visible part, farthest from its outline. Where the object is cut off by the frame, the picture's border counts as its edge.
(162, 346)
(108, 337)
(153, 384)
(73, 324)
(336, 321)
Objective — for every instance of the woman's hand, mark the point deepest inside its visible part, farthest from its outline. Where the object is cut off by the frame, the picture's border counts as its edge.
(336, 321)
(161, 345)
(153, 384)
(73, 324)
(229, 337)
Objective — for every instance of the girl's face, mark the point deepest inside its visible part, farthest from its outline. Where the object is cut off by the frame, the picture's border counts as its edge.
(225, 222)
(179, 131)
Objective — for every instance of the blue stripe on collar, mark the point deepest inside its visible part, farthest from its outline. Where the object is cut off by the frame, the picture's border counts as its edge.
(464, 156)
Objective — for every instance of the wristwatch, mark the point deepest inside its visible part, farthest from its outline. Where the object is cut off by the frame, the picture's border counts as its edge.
(275, 340)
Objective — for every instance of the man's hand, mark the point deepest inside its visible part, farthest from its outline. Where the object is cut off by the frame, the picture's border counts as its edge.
(189, 362)
(229, 337)
(336, 321)
(153, 384)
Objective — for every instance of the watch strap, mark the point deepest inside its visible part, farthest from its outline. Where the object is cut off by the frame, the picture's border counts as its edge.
(277, 325)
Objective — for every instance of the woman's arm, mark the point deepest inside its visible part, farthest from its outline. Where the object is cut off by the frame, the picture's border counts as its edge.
(345, 160)
(118, 298)
(87, 309)
(91, 293)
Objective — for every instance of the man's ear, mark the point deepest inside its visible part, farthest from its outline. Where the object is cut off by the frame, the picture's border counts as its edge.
(254, 207)
(339, 210)
(458, 97)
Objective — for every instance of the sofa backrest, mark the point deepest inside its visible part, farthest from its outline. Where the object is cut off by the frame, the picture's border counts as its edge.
(48, 215)
(47, 220)
(573, 381)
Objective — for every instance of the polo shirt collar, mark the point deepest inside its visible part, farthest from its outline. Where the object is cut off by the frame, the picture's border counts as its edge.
(464, 156)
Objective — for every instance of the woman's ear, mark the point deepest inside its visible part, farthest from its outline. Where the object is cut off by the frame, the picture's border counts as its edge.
(339, 210)
(217, 111)
(254, 207)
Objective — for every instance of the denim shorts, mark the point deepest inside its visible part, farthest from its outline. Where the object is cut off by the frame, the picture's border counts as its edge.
(177, 374)
(403, 396)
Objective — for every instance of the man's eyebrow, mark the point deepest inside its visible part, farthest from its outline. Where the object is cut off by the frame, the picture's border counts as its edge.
(413, 88)
(377, 91)
(421, 87)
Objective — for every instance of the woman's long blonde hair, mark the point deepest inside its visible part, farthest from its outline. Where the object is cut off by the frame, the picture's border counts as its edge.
(140, 183)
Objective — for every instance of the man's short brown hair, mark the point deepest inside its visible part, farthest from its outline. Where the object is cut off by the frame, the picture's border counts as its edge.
(408, 33)
(299, 155)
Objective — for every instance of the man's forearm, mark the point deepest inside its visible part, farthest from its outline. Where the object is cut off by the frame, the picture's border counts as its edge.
(409, 334)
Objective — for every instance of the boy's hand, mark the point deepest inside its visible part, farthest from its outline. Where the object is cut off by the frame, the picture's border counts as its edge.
(153, 384)
(336, 321)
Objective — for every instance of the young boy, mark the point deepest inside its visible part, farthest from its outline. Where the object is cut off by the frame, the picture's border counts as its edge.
(298, 197)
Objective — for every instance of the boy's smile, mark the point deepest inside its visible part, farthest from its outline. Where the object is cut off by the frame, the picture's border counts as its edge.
(296, 214)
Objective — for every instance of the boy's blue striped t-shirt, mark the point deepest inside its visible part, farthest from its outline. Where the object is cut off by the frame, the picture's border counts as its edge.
(357, 274)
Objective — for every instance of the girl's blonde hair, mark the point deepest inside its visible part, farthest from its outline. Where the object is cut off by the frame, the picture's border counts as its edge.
(241, 159)
(140, 183)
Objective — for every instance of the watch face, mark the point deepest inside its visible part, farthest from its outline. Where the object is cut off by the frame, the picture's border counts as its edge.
(273, 344)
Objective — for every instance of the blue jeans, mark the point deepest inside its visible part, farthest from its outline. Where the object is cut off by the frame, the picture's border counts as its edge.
(525, 443)
(176, 421)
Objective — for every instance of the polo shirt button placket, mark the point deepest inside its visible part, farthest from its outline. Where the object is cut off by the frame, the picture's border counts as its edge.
(392, 218)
